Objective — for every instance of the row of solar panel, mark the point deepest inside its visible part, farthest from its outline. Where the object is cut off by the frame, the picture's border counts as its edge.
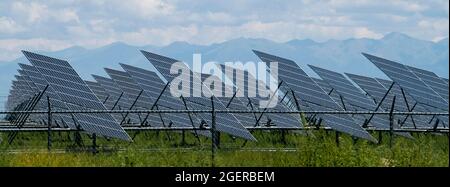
(136, 88)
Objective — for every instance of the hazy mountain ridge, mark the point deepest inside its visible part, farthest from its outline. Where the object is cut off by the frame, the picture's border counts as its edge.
(341, 56)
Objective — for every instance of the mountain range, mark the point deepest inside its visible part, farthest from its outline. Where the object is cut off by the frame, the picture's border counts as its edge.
(338, 55)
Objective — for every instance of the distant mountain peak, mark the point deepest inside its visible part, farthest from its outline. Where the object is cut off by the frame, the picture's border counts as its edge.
(75, 47)
(443, 41)
(246, 39)
(396, 36)
(178, 43)
(301, 42)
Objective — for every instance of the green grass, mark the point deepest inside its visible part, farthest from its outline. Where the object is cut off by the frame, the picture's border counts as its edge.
(155, 149)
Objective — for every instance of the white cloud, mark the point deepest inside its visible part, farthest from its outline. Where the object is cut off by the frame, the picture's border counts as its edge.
(160, 22)
(436, 24)
(66, 15)
(144, 8)
(10, 48)
(439, 38)
(277, 31)
(38, 12)
(412, 7)
(9, 26)
(437, 28)
(160, 36)
(34, 11)
(220, 17)
(364, 32)
(404, 5)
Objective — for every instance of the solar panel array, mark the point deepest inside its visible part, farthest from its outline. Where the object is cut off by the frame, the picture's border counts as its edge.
(316, 98)
(76, 94)
(360, 119)
(424, 121)
(412, 84)
(431, 79)
(353, 96)
(39, 81)
(377, 91)
(117, 99)
(282, 120)
(134, 94)
(225, 122)
(329, 90)
(23, 93)
(152, 86)
(236, 103)
(136, 88)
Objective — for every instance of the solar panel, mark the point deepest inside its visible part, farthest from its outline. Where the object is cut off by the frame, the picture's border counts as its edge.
(431, 79)
(104, 97)
(55, 101)
(23, 93)
(282, 120)
(76, 94)
(377, 91)
(27, 80)
(32, 89)
(409, 82)
(225, 122)
(116, 100)
(397, 90)
(153, 86)
(22, 86)
(147, 99)
(345, 88)
(308, 91)
(445, 79)
(328, 89)
(203, 103)
(246, 119)
(131, 90)
(352, 96)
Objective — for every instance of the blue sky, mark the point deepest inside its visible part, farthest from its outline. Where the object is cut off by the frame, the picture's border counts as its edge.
(53, 24)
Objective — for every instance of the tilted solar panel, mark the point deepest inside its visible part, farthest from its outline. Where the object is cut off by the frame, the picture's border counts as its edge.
(352, 96)
(328, 89)
(345, 88)
(397, 90)
(431, 79)
(445, 79)
(117, 100)
(377, 91)
(77, 95)
(225, 122)
(23, 95)
(146, 99)
(98, 90)
(153, 86)
(308, 91)
(406, 79)
(130, 88)
(55, 101)
(22, 86)
(246, 119)
(104, 97)
(34, 90)
(282, 120)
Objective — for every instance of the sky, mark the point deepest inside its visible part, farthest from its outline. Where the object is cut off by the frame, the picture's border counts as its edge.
(51, 25)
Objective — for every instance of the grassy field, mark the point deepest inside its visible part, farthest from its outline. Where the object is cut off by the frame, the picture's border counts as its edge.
(155, 149)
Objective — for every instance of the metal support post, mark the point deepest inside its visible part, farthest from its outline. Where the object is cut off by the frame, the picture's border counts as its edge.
(213, 132)
(49, 125)
(391, 123)
(379, 105)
